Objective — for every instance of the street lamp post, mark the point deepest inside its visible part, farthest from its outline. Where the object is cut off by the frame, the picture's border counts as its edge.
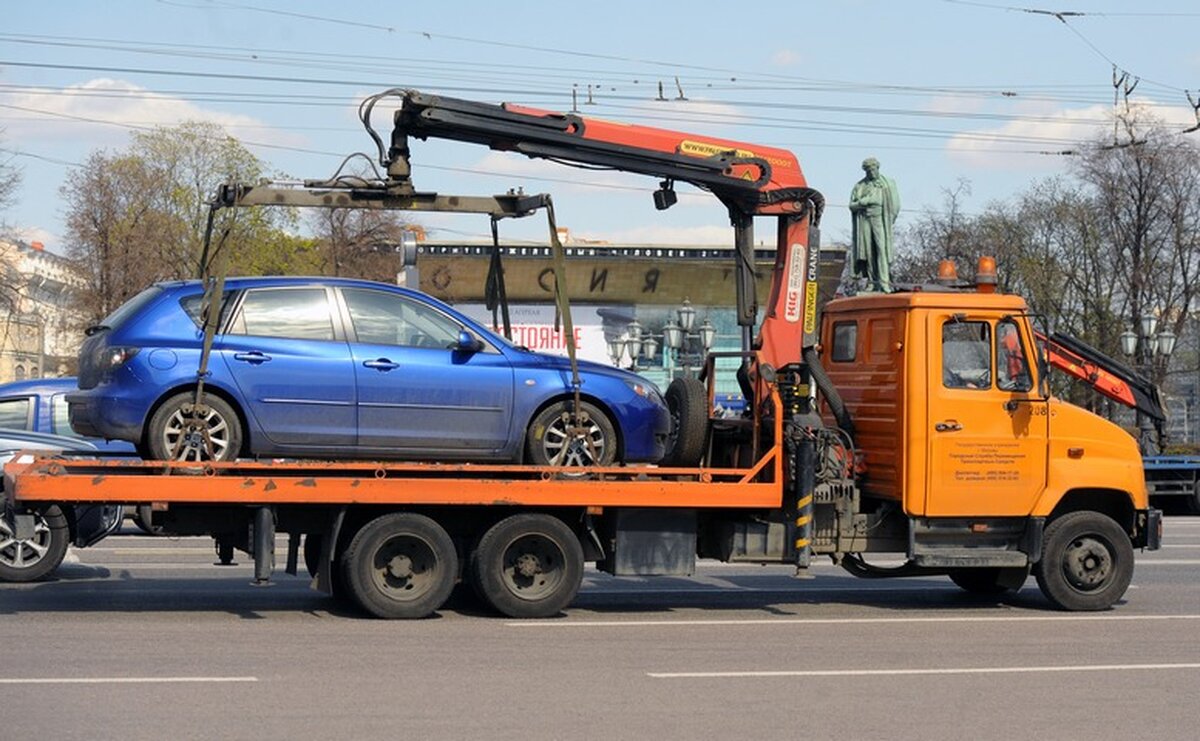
(1144, 345)
(682, 340)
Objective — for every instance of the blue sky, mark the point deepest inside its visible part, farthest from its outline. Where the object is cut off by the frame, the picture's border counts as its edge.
(938, 90)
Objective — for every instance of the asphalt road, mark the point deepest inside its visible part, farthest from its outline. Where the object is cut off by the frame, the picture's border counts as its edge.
(143, 638)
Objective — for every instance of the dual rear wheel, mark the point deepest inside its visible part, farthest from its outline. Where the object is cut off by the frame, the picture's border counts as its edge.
(404, 565)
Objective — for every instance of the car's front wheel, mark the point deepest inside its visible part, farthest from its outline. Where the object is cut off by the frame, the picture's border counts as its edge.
(176, 432)
(36, 554)
(559, 437)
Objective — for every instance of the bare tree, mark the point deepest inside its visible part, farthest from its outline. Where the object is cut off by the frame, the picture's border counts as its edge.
(10, 181)
(1146, 194)
(139, 216)
(360, 243)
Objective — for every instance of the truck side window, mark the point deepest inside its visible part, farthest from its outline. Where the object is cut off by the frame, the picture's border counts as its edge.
(845, 339)
(1012, 366)
(966, 355)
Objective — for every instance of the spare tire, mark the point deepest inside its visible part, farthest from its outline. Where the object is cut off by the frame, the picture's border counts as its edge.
(687, 400)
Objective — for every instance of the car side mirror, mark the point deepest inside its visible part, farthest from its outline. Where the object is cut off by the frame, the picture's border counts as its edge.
(467, 342)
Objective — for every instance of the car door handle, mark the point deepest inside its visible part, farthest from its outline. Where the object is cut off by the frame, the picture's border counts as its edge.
(381, 364)
(254, 357)
(949, 425)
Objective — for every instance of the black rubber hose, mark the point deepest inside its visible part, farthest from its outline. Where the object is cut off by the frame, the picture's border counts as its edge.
(829, 391)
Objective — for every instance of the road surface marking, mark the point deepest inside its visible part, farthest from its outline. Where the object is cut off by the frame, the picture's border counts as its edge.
(910, 672)
(840, 621)
(122, 680)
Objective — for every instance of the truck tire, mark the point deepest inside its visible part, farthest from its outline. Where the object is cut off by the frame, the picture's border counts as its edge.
(986, 581)
(400, 566)
(167, 426)
(30, 559)
(1087, 562)
(687, 400)
(527, 566)
(550, 444)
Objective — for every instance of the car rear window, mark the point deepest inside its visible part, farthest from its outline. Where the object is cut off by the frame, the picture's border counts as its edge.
(131, 307)
(191, 306)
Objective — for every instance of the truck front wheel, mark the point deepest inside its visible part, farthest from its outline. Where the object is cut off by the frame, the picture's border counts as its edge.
(527, 566)
(1087, 562)
(400, 565)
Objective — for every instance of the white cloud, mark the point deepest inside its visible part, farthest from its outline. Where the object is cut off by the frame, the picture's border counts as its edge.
(785, 58)
(73, 113)
(1017, 144)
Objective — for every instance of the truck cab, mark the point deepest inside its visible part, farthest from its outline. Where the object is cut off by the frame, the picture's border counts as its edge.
(955, 426)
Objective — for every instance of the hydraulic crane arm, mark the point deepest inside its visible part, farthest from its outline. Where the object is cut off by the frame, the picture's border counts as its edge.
(750, 180)
(1106, 375)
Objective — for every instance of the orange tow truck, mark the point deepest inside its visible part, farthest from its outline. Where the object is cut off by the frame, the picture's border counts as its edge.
(915, 424)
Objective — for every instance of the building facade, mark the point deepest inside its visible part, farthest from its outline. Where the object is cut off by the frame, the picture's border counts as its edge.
(39, 336)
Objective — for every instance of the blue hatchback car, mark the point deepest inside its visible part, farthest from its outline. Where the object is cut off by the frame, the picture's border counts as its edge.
(342, 368)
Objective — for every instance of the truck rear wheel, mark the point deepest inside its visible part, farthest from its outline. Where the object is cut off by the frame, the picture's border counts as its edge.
(30, 559)
(528, 566)
(401, 565)
(1087, 562)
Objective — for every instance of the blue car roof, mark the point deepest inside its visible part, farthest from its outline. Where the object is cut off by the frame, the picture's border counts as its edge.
(39, 386)
(259, 281)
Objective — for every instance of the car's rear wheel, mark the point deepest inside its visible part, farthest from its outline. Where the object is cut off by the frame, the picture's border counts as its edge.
(175, 433)
(33, 557)
(559, 438)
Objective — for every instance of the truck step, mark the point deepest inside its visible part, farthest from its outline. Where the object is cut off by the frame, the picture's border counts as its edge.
(969, 557)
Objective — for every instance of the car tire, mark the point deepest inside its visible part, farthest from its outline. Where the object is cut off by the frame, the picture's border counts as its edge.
(167, 425)
(549, 441)
(687, 401)
(30, 559)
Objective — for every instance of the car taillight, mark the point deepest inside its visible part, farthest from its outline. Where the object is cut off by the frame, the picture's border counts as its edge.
(111, 358)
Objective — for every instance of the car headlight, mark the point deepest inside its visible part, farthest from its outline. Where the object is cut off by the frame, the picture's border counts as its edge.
(646, 390)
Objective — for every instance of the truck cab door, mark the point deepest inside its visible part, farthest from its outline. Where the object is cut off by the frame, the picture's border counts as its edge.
(989, 426)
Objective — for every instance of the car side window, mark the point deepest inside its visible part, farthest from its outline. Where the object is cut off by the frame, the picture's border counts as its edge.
(293, 313)
(14, 413)
(966, 355)
(1012, 365)
(386, 319)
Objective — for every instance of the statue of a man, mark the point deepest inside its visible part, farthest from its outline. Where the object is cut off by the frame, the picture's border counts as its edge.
(874, 204)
